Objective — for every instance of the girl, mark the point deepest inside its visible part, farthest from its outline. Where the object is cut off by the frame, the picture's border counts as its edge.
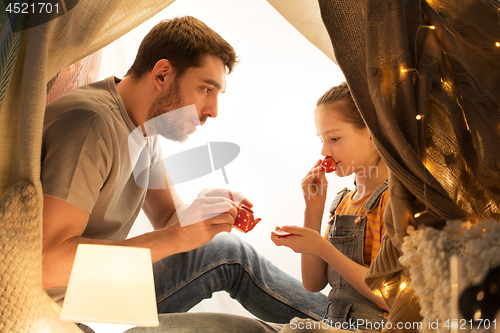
(355, 225)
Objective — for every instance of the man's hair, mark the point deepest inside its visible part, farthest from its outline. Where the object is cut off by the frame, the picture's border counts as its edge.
(184, 41)
(341, 94)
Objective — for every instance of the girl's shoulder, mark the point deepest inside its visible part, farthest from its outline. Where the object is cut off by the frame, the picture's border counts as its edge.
(338, 199)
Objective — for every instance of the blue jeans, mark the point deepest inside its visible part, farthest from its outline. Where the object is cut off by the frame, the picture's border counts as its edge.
(230, 264)
(203, 323)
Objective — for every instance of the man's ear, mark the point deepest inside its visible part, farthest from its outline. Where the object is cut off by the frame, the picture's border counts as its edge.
(162, 73)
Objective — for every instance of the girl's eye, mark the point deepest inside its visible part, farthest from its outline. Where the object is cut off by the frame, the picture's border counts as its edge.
(335, 139)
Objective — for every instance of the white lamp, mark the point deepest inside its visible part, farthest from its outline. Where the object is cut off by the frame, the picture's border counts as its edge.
(110, 286)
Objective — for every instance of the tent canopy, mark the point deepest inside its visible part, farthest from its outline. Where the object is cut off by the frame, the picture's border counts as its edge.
(444, 163)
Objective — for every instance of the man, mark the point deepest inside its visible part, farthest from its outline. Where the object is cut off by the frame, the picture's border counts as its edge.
(91, 194)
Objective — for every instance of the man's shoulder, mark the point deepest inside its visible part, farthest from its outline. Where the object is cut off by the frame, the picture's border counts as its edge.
(93, 97)
(92, 103)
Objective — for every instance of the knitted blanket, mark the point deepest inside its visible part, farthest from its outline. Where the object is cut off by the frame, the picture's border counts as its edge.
(24, 306)
(427, 253)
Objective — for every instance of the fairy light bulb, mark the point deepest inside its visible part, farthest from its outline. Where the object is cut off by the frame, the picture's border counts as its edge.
(417, 215)
(418, 117)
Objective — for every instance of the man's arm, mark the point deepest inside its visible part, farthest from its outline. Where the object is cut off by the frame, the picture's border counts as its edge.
(64, 224)
(160, 206)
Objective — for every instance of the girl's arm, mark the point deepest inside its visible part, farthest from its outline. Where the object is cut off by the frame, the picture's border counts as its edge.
(312, 245)
(314, 188)
(314, 269)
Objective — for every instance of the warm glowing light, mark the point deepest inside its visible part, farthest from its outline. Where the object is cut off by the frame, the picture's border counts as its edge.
(480, 296)
(386, 289)
(477, 315)
(111, 285)
(402, 286)
(497, 44)
(404, 70)
(417, 215)
(432, 27)
(418, 117)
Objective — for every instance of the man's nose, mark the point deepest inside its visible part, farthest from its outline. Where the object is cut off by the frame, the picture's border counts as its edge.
(211, 110)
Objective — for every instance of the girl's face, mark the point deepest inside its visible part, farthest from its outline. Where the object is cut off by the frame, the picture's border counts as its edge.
(350, 147)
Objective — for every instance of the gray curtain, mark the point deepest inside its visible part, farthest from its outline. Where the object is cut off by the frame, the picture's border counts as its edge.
(426, 78)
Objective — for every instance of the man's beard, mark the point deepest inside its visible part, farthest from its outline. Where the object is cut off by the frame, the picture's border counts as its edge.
(168, 118)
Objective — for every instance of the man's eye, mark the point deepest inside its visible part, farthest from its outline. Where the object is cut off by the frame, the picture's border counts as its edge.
(207, 90)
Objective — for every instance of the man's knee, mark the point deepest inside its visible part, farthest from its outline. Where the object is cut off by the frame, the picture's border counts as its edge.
(231, 246)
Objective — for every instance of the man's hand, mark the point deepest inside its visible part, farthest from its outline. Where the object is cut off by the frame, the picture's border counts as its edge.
(236, 197)
(205, 208)
(205, 218)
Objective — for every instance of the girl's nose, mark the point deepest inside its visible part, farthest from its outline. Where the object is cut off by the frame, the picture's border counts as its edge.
(325, 151)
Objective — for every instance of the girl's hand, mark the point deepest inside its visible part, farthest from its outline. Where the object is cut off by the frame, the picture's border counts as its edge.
(314, 186)
(302, 240)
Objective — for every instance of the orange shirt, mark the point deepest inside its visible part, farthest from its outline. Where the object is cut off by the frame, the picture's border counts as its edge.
(375, 226)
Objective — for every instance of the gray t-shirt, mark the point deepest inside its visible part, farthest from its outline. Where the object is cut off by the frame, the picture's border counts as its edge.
(86, 162)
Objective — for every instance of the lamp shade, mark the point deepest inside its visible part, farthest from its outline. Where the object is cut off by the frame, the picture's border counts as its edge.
(111, 284)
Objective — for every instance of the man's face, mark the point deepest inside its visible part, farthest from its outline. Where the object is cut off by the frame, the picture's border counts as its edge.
(198, 87)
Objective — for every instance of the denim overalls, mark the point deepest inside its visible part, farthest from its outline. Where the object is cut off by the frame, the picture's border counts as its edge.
(348, 308)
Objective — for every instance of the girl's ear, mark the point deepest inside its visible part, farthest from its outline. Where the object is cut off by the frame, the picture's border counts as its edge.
(370, 136)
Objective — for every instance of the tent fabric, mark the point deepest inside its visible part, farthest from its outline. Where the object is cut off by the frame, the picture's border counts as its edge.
(305, 16)
(11, 36)
(445, 165)
(31, 59)
(45, 50)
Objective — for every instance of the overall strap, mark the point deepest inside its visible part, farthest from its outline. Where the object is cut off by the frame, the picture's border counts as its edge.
(338, 199)
(374, 199)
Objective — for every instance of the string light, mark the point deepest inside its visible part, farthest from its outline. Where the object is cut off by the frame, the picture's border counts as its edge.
(405, 70)
(477, 315)
(497, 44)
(419, 117)
(402, 286)
(417, 215)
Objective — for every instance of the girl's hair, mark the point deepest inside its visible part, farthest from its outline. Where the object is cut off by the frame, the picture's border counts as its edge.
(341, 94)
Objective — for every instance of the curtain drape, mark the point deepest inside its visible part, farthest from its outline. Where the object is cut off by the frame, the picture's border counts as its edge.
(29, 59)
(425, 76)
(305, 16)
